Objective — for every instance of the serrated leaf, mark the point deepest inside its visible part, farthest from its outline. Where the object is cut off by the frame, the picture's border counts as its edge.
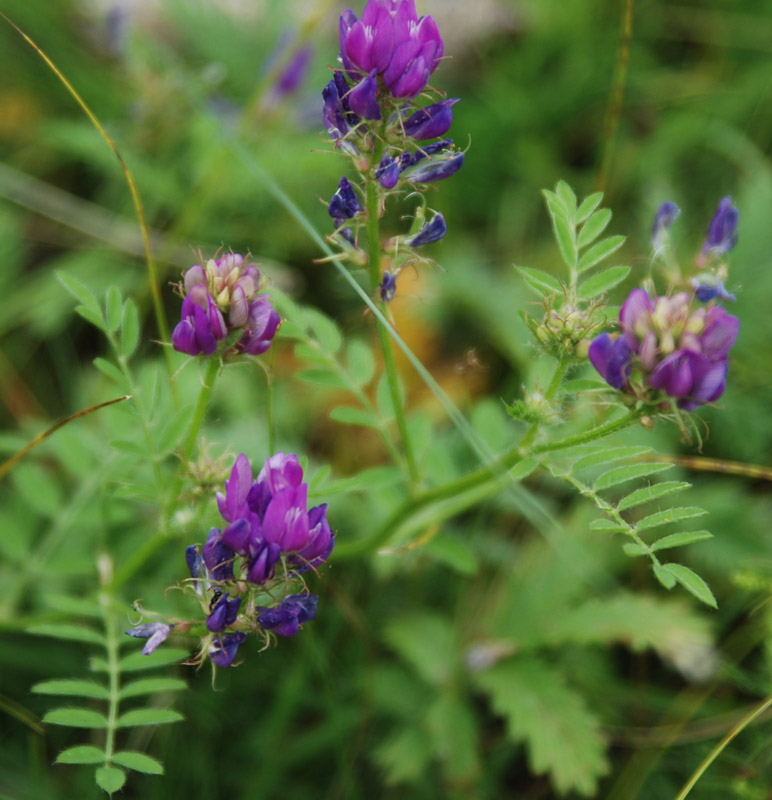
(129, 328)
(587, 206)
(78, 290)
(81, 754)
(607, 526)
(111, 779)
(174, 430)
(325, 330)
(453, 552)
(92, 316)
(453, 730)
(692, 582)
(567, 197)
(583, 385)
(668, 516)
(322, 377)
(602, 281)
(598, 252)
(74, 633)
(76, 718)
(542, 282)
(108, 368)
(353, 416)
(139, 762)
(667, 579)
(113, 308)
(563, 229)
(404, 756)
(593, 227)
(163, 656)
(148, 716)
(523, 469)
(653, 492)
(622, 474)
(427, 642)
(72, 688)
(562, 735)
(681, 539)
(360, 360)
(152, 686)
(634, 550)
(609, 455)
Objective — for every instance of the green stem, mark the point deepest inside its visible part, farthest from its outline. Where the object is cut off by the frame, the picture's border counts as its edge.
(269, 404)
(111, 646)
(721, 746)
(200, 411)
(374, 244)
(476, 486)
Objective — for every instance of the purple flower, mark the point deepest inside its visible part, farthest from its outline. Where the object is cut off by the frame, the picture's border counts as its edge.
(201, 326)
(218, 557)
(431, 232)
(435, 168)
(260, 327)
(666, 215)
(154, 632)
(393, 41)
(294, 71)
(722, 231)
(387, 172)
(668, 346)
(434, 120)
(388, 287)
(289, 615)
(334, 114)
(362, 98)
(223, 649)
(345, 203)
(223, 614)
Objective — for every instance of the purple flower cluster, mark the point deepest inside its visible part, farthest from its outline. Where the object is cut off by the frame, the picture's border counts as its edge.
(391, 42)
(668, 346)
(222, 297)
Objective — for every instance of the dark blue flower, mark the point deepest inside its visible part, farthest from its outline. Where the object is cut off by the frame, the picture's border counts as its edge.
(223, 649)
(433, 231)
(722, 231)
(218, 557)
(612, 359)
(387, 172)
(434, 120)
(289, 615)
(388, 287)
(666, 215)
(223, 614)
(436, 168)
(345, 203)
(707, 290)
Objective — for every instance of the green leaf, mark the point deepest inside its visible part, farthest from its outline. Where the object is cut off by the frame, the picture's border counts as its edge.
(668, 516)
(667, 579)
(353, 416)
(599, 251)
(593, 228)
(361, 363)
(681, 539)
(608, 455)
(453, 730)
(111, 779)
(174, 430)
(562, 735)
(152, 686)
(378, 477)
(113, 309)
(602, 281)
(588, 205)
(74, 633)
(92, 316)
(76, 718)
(563, 229)
(634, 550)
(148, 716)
(607, 526)
(78, 290)
(404, 756)
(322, 377)
(134, 447)
(383, 396)
(454, 552)
(72, 688)
(567, 197)
(161, 657)
(82, 754)
(692, 582)
(74, 605)
(108, 368)
(621, 474)
(542, 282)
(428, 643)
(583, 385)
(325, 330)
(129, 328)
(139, 762)
(653, 492)
(312, 352)
(523, 469)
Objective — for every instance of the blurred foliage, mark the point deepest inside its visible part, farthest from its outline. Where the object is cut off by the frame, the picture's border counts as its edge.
(495, 660)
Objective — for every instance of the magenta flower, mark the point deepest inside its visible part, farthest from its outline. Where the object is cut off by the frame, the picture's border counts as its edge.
(668, 346)
(391, 39)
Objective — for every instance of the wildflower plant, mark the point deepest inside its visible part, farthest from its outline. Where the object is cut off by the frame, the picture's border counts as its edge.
(257, 548)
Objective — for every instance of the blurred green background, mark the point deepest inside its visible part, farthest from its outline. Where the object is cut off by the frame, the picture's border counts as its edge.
(360, 705)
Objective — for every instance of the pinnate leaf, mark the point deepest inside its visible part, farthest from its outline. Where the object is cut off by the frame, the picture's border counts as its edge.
(541, 281)
(692, 582)
(72, 688)
(602, 281)
(129, 328)
(163, 656)
(361, 363)
(593, 227)
(587, 206)
(353, 416)
(152, 686)
(668, 516)
(139, 762)
(622, 474)
(74, 633)
(653, 492)
(111, 779)
(608, 455)
(681, 539)
(76, 718)
(148, 716)
(600, 251)
(82, 754)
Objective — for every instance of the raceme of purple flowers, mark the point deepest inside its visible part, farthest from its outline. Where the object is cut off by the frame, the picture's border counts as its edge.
(668, 346)
(222, 297)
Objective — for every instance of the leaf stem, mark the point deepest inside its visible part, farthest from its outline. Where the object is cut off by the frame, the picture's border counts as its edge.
(374, 245)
